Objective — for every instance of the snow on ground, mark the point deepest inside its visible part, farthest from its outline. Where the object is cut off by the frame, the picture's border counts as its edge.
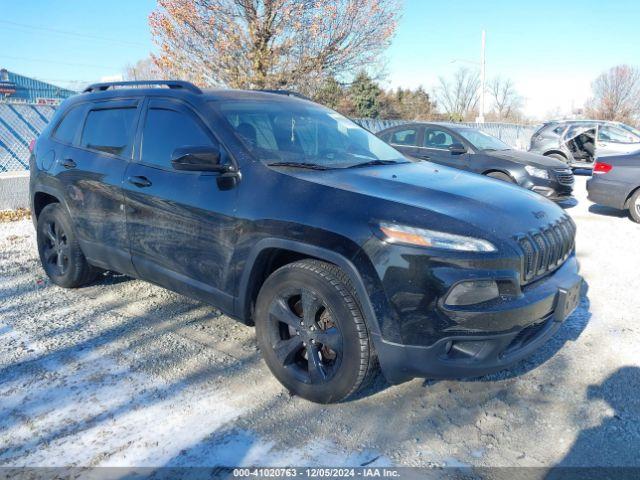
(123, 373)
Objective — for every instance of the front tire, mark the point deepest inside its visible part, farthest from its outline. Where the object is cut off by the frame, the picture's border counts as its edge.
(634, 207)
(312, 333)
(59, 250)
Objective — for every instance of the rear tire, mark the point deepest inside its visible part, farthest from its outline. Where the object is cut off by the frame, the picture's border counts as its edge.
(501, 176)
(312, 333)
(59, 250)
(634, 206)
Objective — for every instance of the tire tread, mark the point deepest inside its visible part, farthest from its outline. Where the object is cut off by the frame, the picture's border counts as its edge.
(339, 280)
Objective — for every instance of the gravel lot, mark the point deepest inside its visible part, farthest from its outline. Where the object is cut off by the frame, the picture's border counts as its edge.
(128, 374)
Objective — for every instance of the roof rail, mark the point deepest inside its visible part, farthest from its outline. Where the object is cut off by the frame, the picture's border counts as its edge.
(173, 84)
(289, 93)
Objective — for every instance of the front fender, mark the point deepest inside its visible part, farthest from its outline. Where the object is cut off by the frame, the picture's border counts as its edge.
(359, 280)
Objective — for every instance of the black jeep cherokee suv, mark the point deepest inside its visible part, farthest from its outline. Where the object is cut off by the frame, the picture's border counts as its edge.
(283, 213)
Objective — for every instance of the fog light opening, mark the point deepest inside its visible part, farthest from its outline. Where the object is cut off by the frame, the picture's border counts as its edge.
(472, 292)
(544, 191)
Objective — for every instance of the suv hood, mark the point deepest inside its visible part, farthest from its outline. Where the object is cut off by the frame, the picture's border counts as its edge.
(527, 158)
(489, 205)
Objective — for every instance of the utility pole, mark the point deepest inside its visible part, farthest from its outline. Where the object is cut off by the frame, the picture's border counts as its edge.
(480, 118)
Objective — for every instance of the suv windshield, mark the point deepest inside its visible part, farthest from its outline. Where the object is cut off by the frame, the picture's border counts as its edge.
(481, 140)
(304, 134)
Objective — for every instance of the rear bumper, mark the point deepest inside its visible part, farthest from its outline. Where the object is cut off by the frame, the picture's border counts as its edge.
(529, 322)
(605, 192)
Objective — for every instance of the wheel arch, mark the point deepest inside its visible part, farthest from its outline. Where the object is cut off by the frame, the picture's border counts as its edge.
(556, 152)
(44, 194)
(271, 253)
(42, 199)
(629, 195)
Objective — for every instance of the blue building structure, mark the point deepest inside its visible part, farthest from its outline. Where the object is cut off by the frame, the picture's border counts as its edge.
(18, 88)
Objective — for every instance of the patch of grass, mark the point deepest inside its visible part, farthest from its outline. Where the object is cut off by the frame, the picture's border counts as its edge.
(14, 215)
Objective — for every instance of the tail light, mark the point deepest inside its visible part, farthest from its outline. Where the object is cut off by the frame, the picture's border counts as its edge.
(602, 167)
(32, 145)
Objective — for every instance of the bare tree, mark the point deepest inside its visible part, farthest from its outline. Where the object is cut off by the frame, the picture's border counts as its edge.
(145, 69)
(506, 101)
(271, 43)
(616, 95)
(459, 95)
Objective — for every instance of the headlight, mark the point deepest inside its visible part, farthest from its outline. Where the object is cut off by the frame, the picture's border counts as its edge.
(537, 172)
(430, 238)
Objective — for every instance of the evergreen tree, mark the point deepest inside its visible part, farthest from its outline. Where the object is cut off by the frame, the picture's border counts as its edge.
(365, 94)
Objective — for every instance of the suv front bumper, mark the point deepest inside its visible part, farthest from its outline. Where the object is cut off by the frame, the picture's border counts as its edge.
(528, 321)
(551, 189)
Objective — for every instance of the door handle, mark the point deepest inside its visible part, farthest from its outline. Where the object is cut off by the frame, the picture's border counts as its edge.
(139, 181)
(68, 163)
(424, 157)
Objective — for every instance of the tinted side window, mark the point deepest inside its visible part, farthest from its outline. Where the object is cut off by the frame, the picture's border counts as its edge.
(434, 138)
(165, 130)
(614, 135)
(70, 124)
(254, 129)
(408, 136)
(109, 130)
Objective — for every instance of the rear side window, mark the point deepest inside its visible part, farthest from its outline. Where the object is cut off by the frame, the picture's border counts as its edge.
(405, 137)
(71, 122)
(614, 135)
(109, 130)
(434, 138)
(165, 130)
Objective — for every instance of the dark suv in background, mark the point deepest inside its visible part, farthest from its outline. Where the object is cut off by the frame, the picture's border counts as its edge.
(285, 214)
(470, 149)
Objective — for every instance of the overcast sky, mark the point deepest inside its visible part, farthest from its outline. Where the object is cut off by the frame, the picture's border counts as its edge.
(552, 50)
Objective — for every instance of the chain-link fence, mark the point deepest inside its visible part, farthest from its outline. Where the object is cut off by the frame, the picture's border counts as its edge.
(21, 123)
(513, 134)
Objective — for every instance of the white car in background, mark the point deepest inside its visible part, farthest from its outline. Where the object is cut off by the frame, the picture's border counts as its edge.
(579, 142)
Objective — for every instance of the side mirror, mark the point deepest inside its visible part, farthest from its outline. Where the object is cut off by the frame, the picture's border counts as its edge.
(197, 159)
(457, 149)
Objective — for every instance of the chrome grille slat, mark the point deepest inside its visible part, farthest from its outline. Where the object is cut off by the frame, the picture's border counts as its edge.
(564, 176)
(546, 249)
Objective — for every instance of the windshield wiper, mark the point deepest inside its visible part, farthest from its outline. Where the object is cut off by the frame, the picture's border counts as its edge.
(374, 162)
(312, 166)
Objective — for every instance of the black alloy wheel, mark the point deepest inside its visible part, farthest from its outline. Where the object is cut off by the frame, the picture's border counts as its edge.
(55, 248)
(312, 333)
(304, 336)
(60, 253)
